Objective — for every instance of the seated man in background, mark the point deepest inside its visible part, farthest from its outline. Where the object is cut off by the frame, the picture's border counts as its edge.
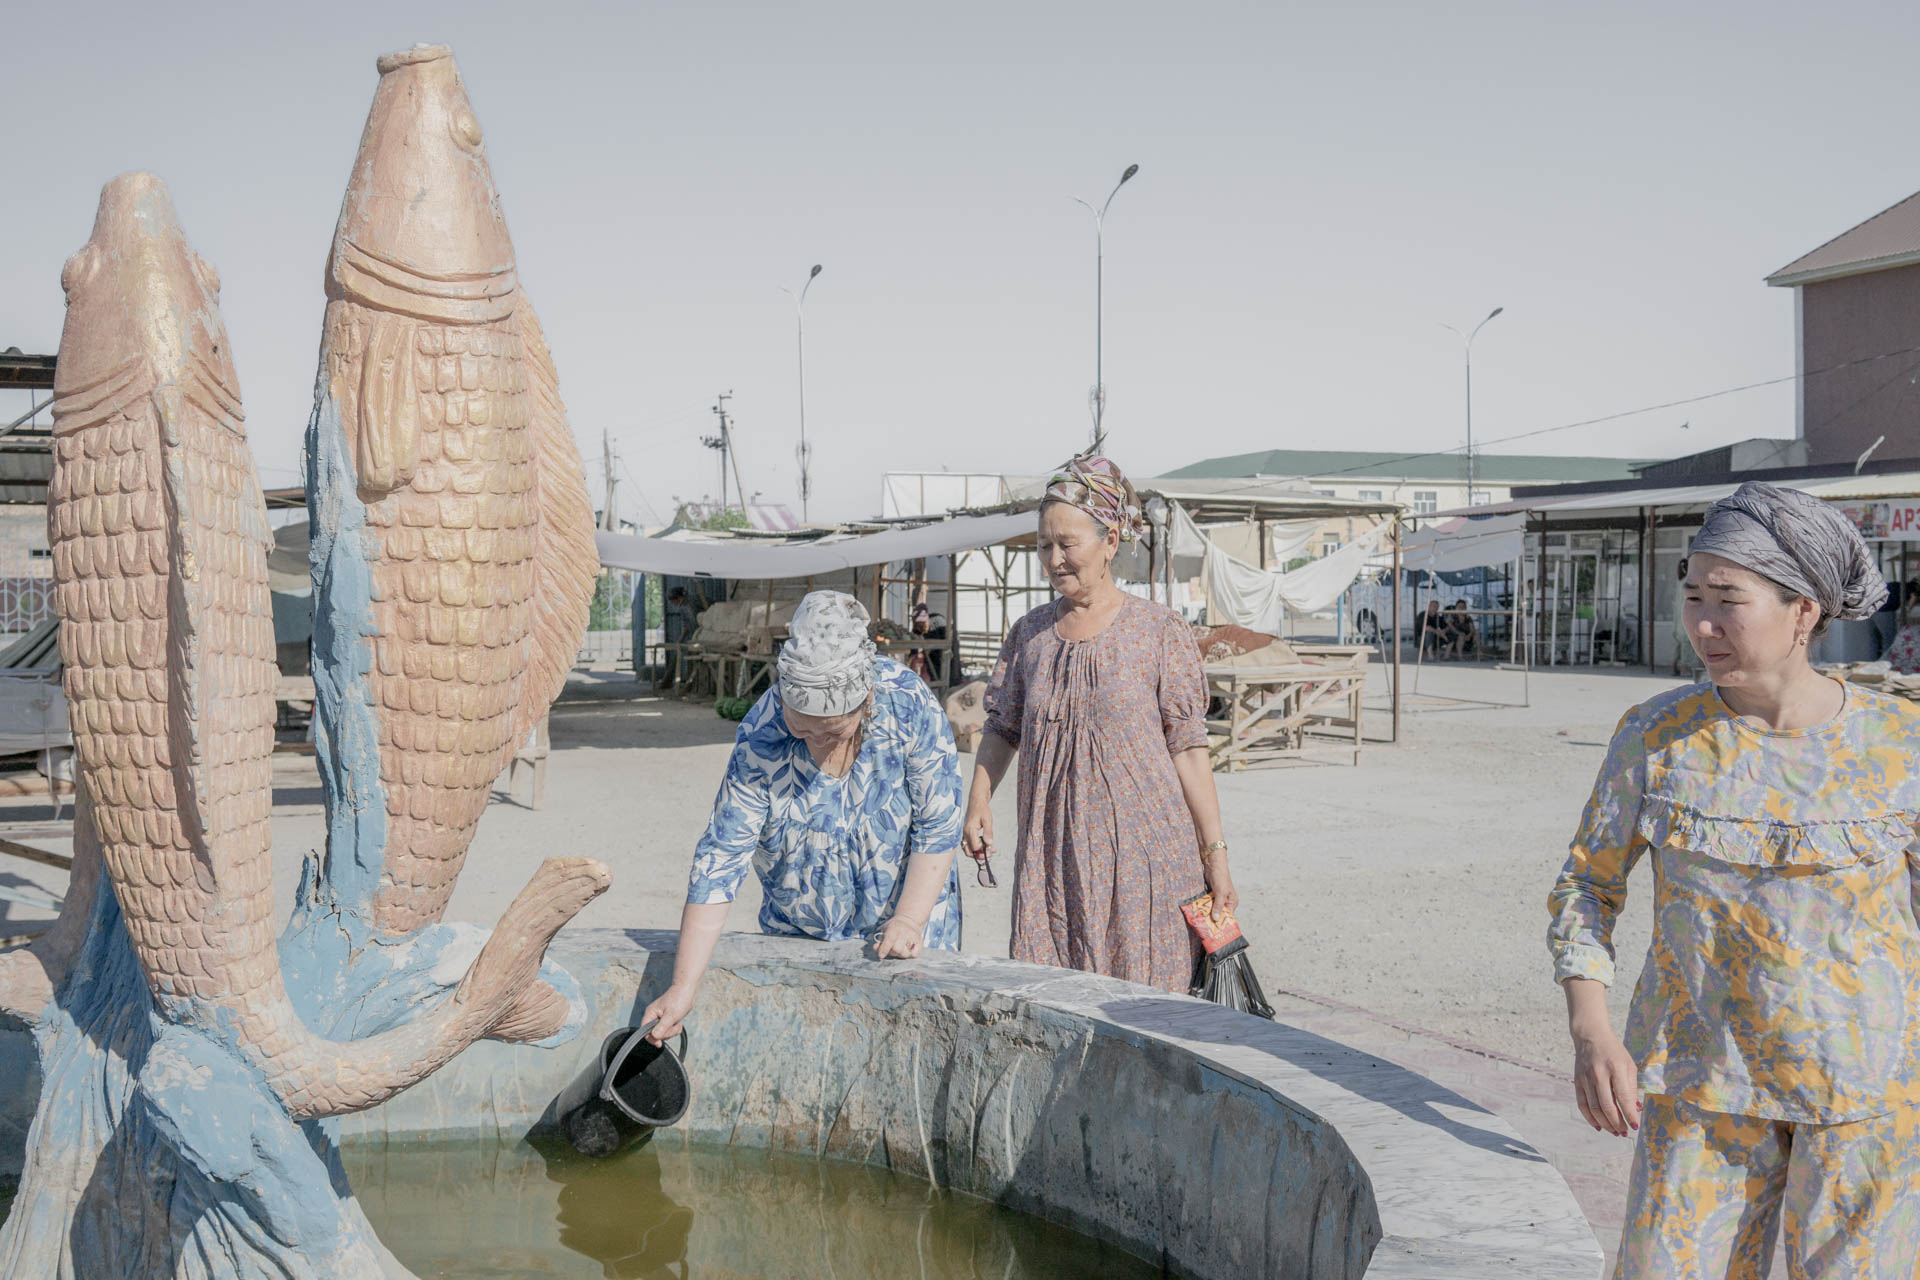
(1429, 629)
(1462, 637)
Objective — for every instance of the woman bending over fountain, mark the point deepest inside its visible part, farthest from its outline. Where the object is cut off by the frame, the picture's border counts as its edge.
(1101, 694)
(843, 775)
(1772, 1055)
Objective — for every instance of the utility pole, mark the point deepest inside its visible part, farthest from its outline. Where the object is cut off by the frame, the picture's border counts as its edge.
(803, 453)
(718, 443)
(724, 443)
(609, 516)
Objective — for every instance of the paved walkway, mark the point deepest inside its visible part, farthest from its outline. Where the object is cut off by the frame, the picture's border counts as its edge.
(1537, 1101)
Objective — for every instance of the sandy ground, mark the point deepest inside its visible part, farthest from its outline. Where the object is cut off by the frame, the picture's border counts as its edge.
(1412, 886)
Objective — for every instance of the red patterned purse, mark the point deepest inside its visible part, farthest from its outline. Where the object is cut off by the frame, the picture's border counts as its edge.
(1223, 973)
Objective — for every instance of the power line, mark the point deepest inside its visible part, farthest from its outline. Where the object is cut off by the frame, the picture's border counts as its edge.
(1609, 417)
(666, 419)
(638, 491)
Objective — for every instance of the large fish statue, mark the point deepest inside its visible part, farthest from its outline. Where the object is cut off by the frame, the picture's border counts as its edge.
(160, 544)
(460, 543)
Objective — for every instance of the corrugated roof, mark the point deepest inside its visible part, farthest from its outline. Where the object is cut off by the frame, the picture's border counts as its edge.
(19, 369)
(1359, 465)
(767, 517)
(26, 464)
(1832, 488)
(1890, 238)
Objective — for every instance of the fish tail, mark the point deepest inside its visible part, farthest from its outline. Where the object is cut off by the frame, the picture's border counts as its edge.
(500, 996)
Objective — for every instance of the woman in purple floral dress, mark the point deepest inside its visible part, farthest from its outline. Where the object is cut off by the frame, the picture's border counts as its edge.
(1101, 695)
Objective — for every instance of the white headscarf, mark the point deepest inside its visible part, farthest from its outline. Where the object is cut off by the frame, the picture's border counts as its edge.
(826, 666)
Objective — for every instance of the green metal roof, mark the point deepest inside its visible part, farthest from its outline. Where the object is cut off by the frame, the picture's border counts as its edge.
(1355, 465)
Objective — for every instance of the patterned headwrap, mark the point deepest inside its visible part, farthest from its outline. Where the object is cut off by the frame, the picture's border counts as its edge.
(1097, 487)
(1801, 542)
(826, 665)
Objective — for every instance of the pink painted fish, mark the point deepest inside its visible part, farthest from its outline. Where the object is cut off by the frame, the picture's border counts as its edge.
(160, 542)
(479, 531)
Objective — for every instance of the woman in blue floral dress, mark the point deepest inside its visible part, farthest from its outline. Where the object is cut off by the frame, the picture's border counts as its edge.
(842, 795)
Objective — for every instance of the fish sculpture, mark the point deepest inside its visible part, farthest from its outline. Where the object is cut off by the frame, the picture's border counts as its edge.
(160, 541)
(465, 547)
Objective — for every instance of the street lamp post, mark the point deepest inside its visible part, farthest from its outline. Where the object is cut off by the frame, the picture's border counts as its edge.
(1099, 265)
(1467, 351)
(803, 452)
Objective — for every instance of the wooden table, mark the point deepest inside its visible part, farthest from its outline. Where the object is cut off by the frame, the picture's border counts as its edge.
(740, 672)
(1272, 709)
(288, 691)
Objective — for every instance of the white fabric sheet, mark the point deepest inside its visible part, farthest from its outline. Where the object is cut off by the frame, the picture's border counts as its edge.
(1465, 544)
(1249, 596)
(1293, 538)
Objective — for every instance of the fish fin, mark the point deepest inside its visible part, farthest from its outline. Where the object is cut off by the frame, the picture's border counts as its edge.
(536, 1013)
(386, 430)
(184, 643)
(505, 972)
(565, 560)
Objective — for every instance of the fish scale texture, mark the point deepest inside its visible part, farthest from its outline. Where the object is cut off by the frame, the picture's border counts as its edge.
(123, 613)
(453, 575)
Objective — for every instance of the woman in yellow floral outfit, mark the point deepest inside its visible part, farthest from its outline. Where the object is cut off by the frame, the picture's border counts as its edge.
(1775, 1033)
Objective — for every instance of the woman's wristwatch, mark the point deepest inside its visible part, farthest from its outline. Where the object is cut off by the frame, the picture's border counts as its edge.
(1213, 847)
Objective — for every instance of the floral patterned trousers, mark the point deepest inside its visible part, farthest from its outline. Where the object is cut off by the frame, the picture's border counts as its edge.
(1709, 1191)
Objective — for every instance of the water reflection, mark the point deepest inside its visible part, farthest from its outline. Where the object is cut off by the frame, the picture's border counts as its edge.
(663, 1210)
(624, 1219)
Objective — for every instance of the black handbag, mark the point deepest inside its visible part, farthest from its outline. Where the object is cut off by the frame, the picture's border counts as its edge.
(1223, 973)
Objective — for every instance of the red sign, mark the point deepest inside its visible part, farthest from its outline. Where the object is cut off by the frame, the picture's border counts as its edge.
(1897, 520)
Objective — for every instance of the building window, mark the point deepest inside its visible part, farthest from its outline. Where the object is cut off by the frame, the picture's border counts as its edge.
(1370, 495)
(1479, 498)
(1329, 543)
(1426, 501)
(39, 553)
(1325, 493)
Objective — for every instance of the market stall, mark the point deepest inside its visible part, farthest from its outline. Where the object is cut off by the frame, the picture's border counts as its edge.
(888, 567)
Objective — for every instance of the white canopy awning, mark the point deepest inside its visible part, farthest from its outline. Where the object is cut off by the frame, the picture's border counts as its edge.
(1465, 544)
(755, 558)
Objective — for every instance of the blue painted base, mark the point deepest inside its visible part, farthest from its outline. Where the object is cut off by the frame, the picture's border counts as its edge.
(157, 1151)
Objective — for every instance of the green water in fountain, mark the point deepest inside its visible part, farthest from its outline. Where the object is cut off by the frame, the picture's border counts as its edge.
(482, 1208)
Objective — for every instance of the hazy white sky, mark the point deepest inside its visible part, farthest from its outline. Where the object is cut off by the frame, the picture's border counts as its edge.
(1320, 186)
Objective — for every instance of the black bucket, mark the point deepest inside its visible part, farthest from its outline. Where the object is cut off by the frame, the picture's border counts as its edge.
(632, 1088)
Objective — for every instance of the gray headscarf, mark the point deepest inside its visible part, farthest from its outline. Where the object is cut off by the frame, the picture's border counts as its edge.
(1804, 544)
(826, 665)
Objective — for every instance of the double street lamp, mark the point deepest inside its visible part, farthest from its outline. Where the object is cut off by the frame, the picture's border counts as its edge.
(1099, 396)
(803, 452)
(1467, 352)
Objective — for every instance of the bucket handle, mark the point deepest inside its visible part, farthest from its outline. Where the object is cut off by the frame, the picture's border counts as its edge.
(606, 1079)
(681, 1052)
